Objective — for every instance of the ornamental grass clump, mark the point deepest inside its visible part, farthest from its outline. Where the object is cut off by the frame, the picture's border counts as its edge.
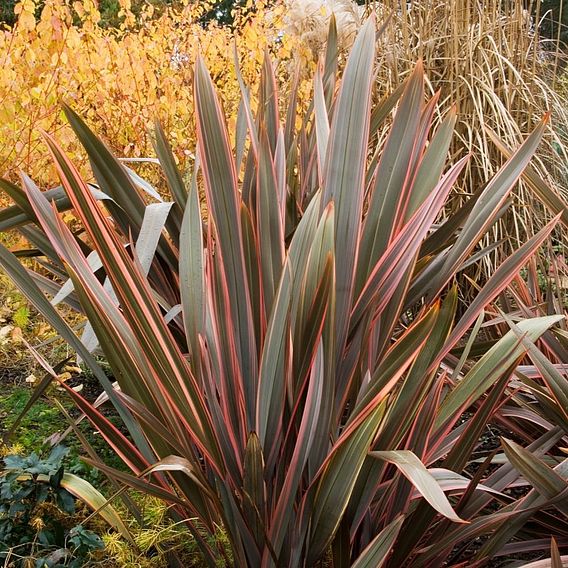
(492, 62)
(290, 363)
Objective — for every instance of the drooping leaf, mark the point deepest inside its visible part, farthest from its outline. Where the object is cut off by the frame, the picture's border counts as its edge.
(84, 491)
(415, 471)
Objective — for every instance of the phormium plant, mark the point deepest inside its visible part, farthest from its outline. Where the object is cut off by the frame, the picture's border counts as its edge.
(291, 365)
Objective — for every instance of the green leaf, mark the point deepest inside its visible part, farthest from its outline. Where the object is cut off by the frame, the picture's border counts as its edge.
(402, 412)
(322, 123)
(220, 177)
(270, 229)
(267, 117)
(554, 380)
(337, 479)
(136, 338)
(127, 205)
(331, 59)
(312, 296)
(542, 477)
(499, 280)
(398, 258)
(22, 213)
(253, 485)
(542, 190)
(273, 366)
(192, 273)
(375, 555)
(395, 362)
(415, 471)
(84, 491)
(390, 182)
(284, 510)
(345, 167)
(490, 367)
(167, 161)
(25, 283)
(484, 211)
(432, 164)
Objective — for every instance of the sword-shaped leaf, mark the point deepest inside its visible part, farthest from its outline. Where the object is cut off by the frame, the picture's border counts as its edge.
(345, 167)
(415, 471)
(220, 177)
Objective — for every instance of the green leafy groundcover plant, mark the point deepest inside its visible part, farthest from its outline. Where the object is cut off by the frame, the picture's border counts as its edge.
(291, 367)
(29, 528)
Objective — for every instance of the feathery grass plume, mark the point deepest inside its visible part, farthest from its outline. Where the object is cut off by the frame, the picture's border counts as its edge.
(308, 21)
(489, 60)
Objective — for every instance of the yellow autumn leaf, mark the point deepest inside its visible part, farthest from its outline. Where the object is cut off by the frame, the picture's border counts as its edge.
(115, 78)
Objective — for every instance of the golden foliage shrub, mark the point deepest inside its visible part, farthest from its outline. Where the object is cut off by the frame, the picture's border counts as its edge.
(120, 80)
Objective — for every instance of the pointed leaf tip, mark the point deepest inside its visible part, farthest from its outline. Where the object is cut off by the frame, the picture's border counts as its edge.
(415, 471)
